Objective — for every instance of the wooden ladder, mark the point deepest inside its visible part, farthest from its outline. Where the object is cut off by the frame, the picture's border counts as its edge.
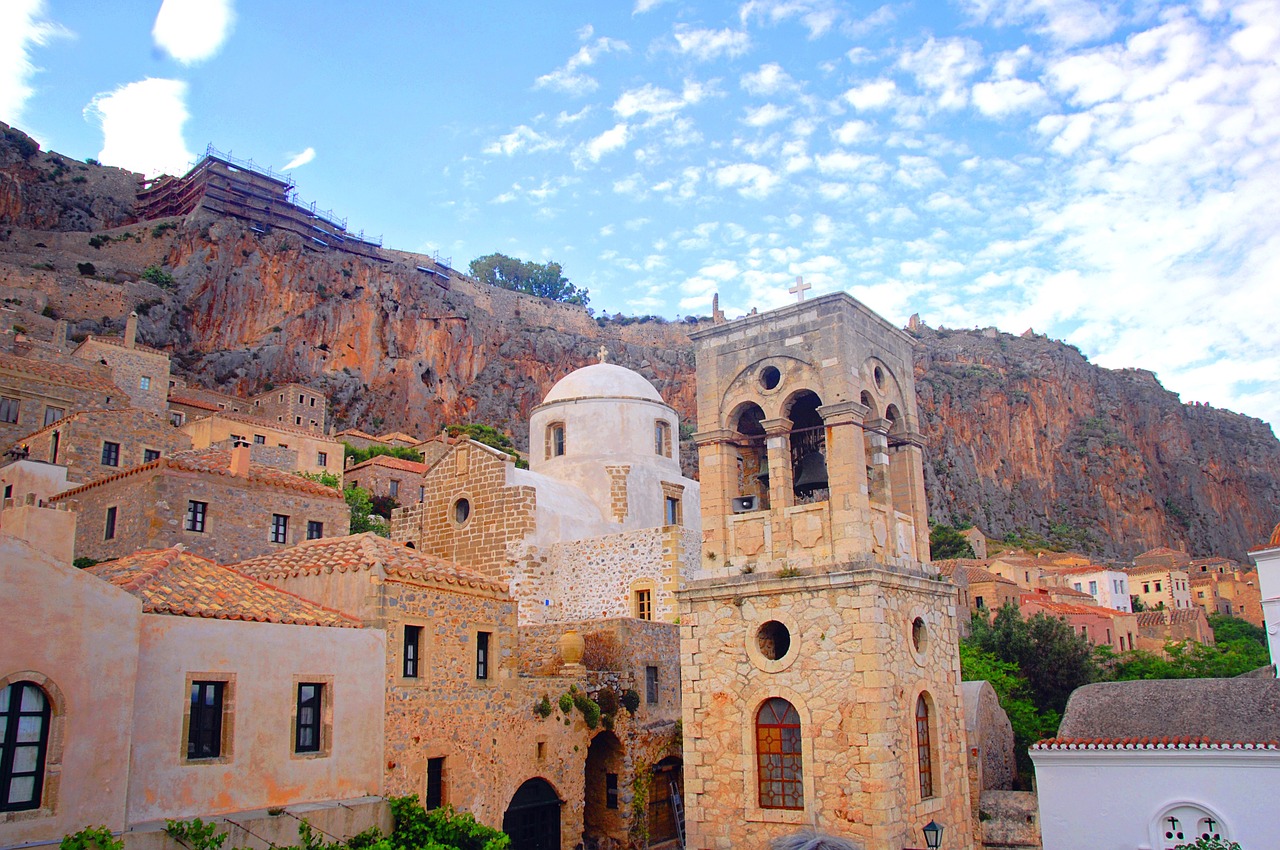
(677, 811)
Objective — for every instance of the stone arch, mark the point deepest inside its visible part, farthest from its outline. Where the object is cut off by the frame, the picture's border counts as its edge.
(894, 415)
(752, 701)
(808, 445)
(868, 401)
(1186, 821)
(747, 385)
(924, 738)
(746, 420)
(532, 818)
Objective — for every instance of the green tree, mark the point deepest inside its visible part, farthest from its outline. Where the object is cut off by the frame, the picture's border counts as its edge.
(545, 280)
(489, 436)
(947, 542)
(1029, 723)
(359, 502)
(358, 455)
(1053, 658)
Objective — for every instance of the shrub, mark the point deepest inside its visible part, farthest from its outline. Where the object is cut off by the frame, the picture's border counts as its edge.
(158, 276)
(86, 269)
(91, 838)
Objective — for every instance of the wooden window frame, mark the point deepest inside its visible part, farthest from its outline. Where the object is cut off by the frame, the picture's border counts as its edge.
(315, 529)
(484, 656)
(13, 714)
(924, 748)
(224, 686)
(779, 751)
(433, 795)
(321, 722)
(197, 518)
(411, 652)
(111, 522)
(110, 454)
(652, 687)
(280, 528)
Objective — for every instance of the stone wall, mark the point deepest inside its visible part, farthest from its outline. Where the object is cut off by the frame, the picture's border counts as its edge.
(142, 373)
(80, 441)
(853, 669)
(307, 447)
(596, 578)
(151, 508)
(498, 516)
(377, 480)
(35, 394)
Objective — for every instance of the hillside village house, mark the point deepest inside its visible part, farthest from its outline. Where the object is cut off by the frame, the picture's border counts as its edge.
(315, 453)
(35, 393)
(294, 405)
(1156, 628)
(142, 372)
(96, 443)
(1109, 586)
(163, 686)
(219, 503)
(390, 478)
(1097, 624)
(1161, 586)
(1231, 591)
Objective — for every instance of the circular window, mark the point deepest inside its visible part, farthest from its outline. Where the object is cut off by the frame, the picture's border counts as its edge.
(919, 635)
(878, 374)
(770, 377)
(461, 511)
(773, 639)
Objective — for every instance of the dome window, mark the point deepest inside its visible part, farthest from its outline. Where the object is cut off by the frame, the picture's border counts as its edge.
(662, 438)
(555, 440)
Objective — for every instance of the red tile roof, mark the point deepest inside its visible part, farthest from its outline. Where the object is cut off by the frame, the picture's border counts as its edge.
(1150, 743)
(118, 342)
(1090, 568)
(214, 462)
(356, 432)
(189, 401)
(171, 581)
(362, 552)
(1071, 608)
(391, 463)
(1176, 615)
(264, 422)
(61, 373)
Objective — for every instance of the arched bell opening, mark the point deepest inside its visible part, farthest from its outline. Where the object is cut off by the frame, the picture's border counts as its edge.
(753, 459)
(808, 449)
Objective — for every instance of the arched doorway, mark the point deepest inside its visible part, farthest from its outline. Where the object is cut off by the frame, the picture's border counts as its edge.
(666, 807)
(533, 817)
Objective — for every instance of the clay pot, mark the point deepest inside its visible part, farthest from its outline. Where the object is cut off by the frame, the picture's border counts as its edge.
(572, 646)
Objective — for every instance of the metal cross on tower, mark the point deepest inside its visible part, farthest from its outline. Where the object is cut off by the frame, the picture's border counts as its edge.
(800, 289)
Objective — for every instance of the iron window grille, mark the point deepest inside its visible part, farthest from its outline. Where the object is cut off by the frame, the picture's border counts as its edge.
(196, 512)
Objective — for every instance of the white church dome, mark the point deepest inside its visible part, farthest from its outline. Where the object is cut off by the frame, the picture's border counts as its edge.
(602, 380)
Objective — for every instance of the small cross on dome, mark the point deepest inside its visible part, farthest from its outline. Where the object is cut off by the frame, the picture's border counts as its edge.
(603, 354)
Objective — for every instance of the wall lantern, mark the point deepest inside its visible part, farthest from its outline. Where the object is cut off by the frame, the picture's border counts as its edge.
(932, 835)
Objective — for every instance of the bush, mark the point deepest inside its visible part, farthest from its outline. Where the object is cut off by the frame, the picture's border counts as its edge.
(158, 276)
(86, 269)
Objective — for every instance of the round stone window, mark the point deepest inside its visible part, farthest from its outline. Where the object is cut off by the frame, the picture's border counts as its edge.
(773, 639)
(770, 377)
(461, 511)
(878, 374)
(919, 635)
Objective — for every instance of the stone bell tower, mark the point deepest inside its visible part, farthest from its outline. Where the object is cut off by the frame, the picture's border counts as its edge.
(819, 653)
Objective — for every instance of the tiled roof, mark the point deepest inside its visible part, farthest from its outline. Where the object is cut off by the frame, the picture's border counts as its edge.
(399, 435)
(1185, 742)
(974, 574)
(118, 342)
(1162, 552)
(82, 414)
(1070, 591)
(214, 462)
(391, 463)
(60, 373)
(1156, 568)
(190, 401)
(360, 552)
(264, 422)
(356, 432)
(171, 581)
(1071, 608)
(1176, 615)
(1090, 568)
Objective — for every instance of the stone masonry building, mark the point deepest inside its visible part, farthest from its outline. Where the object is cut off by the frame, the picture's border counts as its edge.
(95, 443)
(218, 503)
(821, 680)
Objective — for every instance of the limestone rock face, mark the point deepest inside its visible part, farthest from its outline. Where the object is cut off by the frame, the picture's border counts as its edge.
(1023, 434)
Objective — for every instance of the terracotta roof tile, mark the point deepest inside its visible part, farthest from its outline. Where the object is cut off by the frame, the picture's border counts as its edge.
(360, 552)
(1071, 608)
(214, 462)
(248, 419)
(60, 373)
(118, 342)
(190, 401)
(171, 581)
(1176, 615)
(1185, 742)
(391, 463)
(399, 435)
(356, 432)
(1090, 568)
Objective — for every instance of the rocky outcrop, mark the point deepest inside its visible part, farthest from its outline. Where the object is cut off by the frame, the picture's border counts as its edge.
(1024, 436)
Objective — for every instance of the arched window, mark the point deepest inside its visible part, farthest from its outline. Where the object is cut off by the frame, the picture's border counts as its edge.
(662, 438)
(24, 740)
(555, 439)
(778, 755)
(924, 753)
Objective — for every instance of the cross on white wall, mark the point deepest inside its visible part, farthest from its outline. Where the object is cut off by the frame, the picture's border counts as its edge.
(800, 289)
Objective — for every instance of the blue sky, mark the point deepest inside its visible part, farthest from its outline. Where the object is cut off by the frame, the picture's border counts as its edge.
(1106, 173)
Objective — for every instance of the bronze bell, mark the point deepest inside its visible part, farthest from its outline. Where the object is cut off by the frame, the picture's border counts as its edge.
(811, 474)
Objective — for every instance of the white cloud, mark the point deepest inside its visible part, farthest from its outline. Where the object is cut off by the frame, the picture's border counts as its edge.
(1003, 97)
(845, 164)
(851, 131)
(570, 79)
(566, 118)
(943, 66)
(142, 126)
(22, 28)
(192, 31)
(871, 95)
(705, 44)
(522, 139)
(763, 116)
(770, 79)
(610, 140)
(1067, 22)
(643, 6)
(751, 179)
(817, 16)
(653, 100)
(299, 160)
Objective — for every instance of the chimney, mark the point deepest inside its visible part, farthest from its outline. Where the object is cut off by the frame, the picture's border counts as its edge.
(240, 460)
(131, 330)
(60, 333)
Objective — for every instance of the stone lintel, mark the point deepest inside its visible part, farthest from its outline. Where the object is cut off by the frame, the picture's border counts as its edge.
(710, 438)
(913, 438)
(850, 575)
(777, 427)
(842, 412)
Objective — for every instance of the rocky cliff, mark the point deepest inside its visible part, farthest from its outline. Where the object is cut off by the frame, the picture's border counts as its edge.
(1025, 437)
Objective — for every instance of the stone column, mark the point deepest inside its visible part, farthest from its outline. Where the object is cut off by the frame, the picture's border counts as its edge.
(847, 478)
(906, 465)
(778, 447)
(717, 470)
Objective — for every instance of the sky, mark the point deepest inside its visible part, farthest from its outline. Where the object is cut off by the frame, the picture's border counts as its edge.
(1106, 173)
